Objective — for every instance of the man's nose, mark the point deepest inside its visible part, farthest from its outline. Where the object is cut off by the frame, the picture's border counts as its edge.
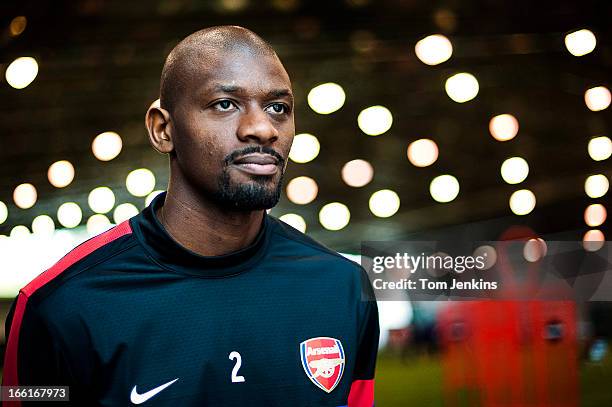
(256, 125)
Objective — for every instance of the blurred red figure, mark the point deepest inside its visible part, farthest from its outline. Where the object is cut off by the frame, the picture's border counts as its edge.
(510, 353)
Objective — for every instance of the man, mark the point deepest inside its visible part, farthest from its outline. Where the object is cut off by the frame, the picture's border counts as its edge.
(203, 299)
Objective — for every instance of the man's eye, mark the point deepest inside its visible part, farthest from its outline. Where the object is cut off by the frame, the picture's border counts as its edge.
(277, 108)
(224, 105)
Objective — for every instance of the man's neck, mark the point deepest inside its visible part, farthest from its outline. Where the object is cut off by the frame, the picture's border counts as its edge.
(206, 229)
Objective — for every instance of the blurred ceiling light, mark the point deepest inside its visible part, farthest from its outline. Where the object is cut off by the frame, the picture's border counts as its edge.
(124, 212)
(302, 190)
(43, 225)
(97, 224)
(3, 212)
(140, 182)
(69, 214)
(503, 127)
(305, 148)
(357, 173)
(423, 152)
(107, 146)
(326, 98)
(233, 5)
(461, 87)
(580, 42)
(101, 200)
(375, 120)
(384, 203)
(285, 5)
(25, 196)
(363, 41)
(600, 148)
(152, 196)
(597, 98)
(534, 250)
(514, 170)
(61, 173)
(434, 49)
(444, 188)
(522, 202)
(21, 72)
(489, 253)
(19, 231)
(295, 221)
(596, 186)
(18, 25)
(593, 240)
(595, 215)
(445, 19)
(334, 216)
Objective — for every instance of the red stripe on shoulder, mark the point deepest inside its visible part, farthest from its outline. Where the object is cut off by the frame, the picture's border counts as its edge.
(361, 394)
(77, 254)
(10, 376)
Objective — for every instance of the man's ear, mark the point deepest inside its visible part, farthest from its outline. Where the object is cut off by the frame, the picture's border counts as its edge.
(159, 126)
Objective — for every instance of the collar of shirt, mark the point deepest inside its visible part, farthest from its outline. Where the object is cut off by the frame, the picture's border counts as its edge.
(170, 254)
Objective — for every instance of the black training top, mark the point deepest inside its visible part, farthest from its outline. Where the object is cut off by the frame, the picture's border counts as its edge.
(132, 317)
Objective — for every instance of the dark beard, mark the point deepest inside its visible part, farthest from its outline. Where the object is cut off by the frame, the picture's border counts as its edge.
(251, 196)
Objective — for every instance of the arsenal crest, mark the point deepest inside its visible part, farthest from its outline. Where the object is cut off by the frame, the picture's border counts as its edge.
(323, 361)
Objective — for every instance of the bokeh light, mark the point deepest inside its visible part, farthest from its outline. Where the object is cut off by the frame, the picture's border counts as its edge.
(503, 127)
(595, 215)
(19, 231)
(444, 188)
(522, 202)
(302, 190)
(295, 221)
(43, 225)
(384, 203)
(3, 212)
(124, 212)
(101, 200)
(61, 173)
(97, 224)
(69, 214)
(600, 148)
(357, 173)
(375, 120)
(596, 186)
(434, 49)
(423, 152)
(488, 253)
(597, 98)
(514, 170)
(25, 196)
(305, 148)
(326, 98)
(18, 25)
(462, 87)
(534, 250)
(21, 72)
(593, 240)
(140, 182)
(107, 146)
(334, 216)
(580, 42)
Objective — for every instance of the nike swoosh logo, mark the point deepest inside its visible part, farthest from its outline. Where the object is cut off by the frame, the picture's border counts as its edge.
(141, 398)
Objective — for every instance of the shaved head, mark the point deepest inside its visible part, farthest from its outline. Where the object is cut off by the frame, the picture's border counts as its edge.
(193, 53)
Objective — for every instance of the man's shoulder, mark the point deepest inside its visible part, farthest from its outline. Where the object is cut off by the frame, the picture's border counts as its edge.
(94, 253)
(298, 244)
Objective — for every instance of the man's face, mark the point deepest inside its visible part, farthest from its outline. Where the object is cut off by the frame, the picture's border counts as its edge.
(234, 128)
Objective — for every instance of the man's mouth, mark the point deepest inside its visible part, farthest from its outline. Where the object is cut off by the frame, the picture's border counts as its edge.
(257, 164)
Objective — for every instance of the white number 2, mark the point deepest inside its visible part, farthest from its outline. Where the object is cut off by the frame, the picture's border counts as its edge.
(235, 377)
